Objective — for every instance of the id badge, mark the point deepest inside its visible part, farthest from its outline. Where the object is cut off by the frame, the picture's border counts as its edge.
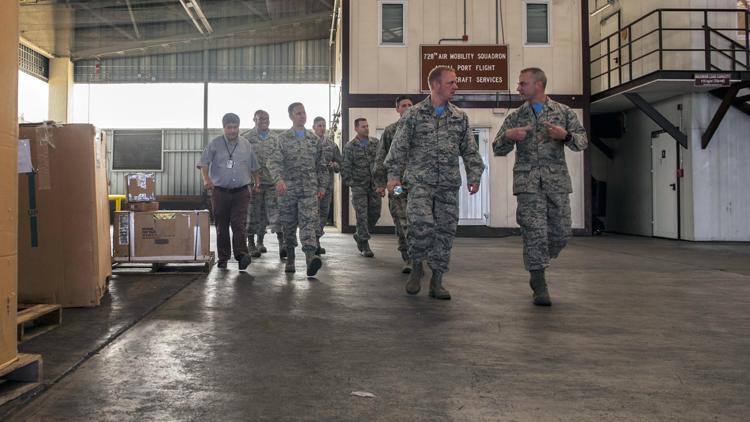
(230, 164)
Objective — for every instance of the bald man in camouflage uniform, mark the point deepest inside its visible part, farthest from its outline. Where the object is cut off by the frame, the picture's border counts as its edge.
(357, 168)
(332, 161)
(263, 211)
(396, 203)
(432, 135)
(296, 166)
(540, 129)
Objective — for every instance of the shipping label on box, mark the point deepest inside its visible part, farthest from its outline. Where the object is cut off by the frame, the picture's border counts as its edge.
(141, 187)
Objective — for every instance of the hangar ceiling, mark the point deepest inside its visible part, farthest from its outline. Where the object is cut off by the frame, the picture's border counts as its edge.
(99, 29)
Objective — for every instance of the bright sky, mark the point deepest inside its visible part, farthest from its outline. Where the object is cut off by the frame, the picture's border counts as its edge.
(127, 106)
(33, 102)
(181, 105)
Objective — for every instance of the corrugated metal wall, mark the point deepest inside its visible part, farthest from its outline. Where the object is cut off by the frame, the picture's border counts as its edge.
(290, 62)
(180, 176)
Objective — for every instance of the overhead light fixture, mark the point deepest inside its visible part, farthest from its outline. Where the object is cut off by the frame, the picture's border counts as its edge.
(194, 11)
(609, 3)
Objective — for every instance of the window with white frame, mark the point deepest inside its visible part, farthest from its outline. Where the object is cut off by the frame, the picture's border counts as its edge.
(537, 22)
(392, 22)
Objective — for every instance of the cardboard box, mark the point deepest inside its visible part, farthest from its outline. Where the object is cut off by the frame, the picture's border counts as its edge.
(161, 236)
(141, 187)
(142, 206)
(8, 180)
(8, 310)
(63, 240)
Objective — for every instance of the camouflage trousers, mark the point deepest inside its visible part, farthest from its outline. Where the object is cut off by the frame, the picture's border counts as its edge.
(298, 208)
(545, 226)
(397, 207)
(366, 203)
(263, 211)
(324, 209)
(432, 217)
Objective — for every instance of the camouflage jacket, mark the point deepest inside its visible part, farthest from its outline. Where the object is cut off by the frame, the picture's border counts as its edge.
(298, 162)
(540, 160)
(359, 163)
(381, 173)
(261, 147)
(331, 154)
(426, 148)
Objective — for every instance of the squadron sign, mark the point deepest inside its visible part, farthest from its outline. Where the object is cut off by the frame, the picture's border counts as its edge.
(479, 68)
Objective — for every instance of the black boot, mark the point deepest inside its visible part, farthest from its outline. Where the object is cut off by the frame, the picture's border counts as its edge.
(321, 250)
(539, 286)
(407, 263)
(359, 242)
(436, 287)
(252, 250)
(415, 278)
(313, 263)
(366, 251)
(244, 262)
(261, 246)
(282, 248)
(289, 268)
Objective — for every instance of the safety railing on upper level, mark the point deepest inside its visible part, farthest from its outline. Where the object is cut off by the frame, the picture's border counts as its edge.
(696, 40)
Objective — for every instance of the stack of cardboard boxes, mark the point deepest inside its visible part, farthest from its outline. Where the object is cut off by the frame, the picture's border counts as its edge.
(145, 234)
(141, 193)
(8, 180)
(63, 215)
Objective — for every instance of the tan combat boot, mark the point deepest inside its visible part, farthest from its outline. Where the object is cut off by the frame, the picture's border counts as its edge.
(436, 286)
(539, 286)
(415, 278)
(289, 268)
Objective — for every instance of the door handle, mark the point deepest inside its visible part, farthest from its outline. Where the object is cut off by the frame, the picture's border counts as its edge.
(673, 186)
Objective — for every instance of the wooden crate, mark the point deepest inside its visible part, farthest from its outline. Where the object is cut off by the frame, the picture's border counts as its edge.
(34, 320)
(21, 376)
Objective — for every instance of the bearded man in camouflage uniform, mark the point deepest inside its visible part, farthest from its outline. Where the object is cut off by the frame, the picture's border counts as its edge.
(332, 161)
(431, 136)
(263, 211)
(396, 203)
(357, 169)
(539, 130)
(296, 166)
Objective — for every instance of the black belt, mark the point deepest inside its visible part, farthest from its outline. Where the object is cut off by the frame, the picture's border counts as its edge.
(235, 190)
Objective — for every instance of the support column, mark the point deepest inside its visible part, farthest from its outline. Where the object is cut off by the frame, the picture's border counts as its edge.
(60, 89)
(8, 180)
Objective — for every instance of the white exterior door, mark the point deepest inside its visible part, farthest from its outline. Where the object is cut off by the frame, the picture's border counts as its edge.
(474, 210)
(664, 186)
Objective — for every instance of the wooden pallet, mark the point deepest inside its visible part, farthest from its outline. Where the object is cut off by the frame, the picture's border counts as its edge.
(34, 320)
(19, 377)
(202, 266)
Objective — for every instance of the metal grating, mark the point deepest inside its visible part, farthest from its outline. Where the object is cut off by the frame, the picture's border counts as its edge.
(33, 63)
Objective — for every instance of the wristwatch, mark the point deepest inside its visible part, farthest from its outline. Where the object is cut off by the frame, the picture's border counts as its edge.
(568, 137)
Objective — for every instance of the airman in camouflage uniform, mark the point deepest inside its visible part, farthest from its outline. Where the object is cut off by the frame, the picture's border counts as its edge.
(357, 170)
(539, 130)
(263, 211)
(431, 136)
(332, 161)
(296, 166)
(396, 203)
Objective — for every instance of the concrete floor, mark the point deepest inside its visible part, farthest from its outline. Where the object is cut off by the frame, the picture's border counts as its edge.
(640, 329)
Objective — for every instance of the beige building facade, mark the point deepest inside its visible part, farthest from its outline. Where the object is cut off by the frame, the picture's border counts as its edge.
(379, 63)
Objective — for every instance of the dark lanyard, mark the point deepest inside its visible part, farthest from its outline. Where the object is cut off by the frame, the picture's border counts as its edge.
(226, 145)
